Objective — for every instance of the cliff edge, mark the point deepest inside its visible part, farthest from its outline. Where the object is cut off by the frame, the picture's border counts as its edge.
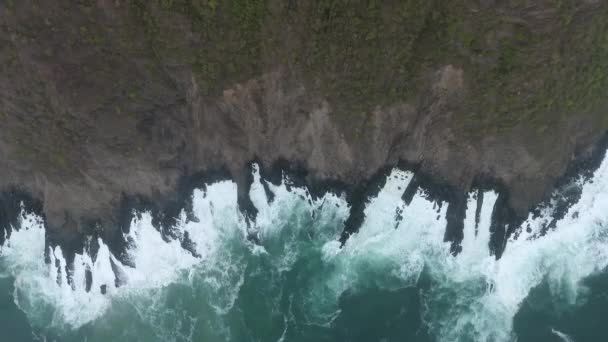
(104, 100)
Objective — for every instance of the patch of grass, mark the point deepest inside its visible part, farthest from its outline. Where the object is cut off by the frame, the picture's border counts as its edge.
(228, 37)
(536, 78)
(359, 54)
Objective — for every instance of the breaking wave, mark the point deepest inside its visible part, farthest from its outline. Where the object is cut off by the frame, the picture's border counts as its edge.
(288, 278)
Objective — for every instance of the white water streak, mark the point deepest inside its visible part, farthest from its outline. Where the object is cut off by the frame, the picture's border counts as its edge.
(484, 293)
(561, 335)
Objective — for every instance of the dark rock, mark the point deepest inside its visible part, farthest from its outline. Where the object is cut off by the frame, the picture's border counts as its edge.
(98, 117)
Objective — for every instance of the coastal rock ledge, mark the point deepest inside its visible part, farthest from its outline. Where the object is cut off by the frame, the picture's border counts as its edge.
(108, 105)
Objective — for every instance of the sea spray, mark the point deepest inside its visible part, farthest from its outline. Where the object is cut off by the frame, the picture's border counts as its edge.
(294, 281)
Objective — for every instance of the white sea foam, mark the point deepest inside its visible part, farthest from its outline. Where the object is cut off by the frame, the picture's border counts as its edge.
(472, 296)
(564, 337)
(158, 263)
(574, 250)
(220, 240)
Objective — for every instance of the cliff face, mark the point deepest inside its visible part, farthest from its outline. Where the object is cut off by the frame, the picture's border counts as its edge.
(102, 99)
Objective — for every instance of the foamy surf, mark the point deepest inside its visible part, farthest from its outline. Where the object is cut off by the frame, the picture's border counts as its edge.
(296, 280)
(564, 337)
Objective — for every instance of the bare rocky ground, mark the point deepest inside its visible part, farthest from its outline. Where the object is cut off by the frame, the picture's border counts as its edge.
(104, 100)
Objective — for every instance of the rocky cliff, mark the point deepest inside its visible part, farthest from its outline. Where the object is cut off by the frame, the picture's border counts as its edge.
(109, 101)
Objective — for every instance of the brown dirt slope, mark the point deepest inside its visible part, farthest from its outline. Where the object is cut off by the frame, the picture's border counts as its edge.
(110, 97)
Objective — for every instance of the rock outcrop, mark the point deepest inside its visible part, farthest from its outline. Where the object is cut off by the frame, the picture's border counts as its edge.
(101, 101)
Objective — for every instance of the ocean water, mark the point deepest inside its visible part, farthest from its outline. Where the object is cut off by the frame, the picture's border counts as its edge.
(393, 280)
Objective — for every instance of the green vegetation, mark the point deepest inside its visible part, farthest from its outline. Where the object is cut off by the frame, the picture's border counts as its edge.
(539, 77)
(364, 53)
(226, 44)
(518, 72)
(521, 66)
(360, 51)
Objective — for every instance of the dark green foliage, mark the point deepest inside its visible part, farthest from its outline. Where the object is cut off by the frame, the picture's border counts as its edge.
(227, 34)
(365, 53)
(360, 51)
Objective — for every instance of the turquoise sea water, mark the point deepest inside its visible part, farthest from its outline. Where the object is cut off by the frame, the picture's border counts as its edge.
(395, 280)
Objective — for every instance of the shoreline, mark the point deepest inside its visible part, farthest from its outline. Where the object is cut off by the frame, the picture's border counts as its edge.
(505, 220)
